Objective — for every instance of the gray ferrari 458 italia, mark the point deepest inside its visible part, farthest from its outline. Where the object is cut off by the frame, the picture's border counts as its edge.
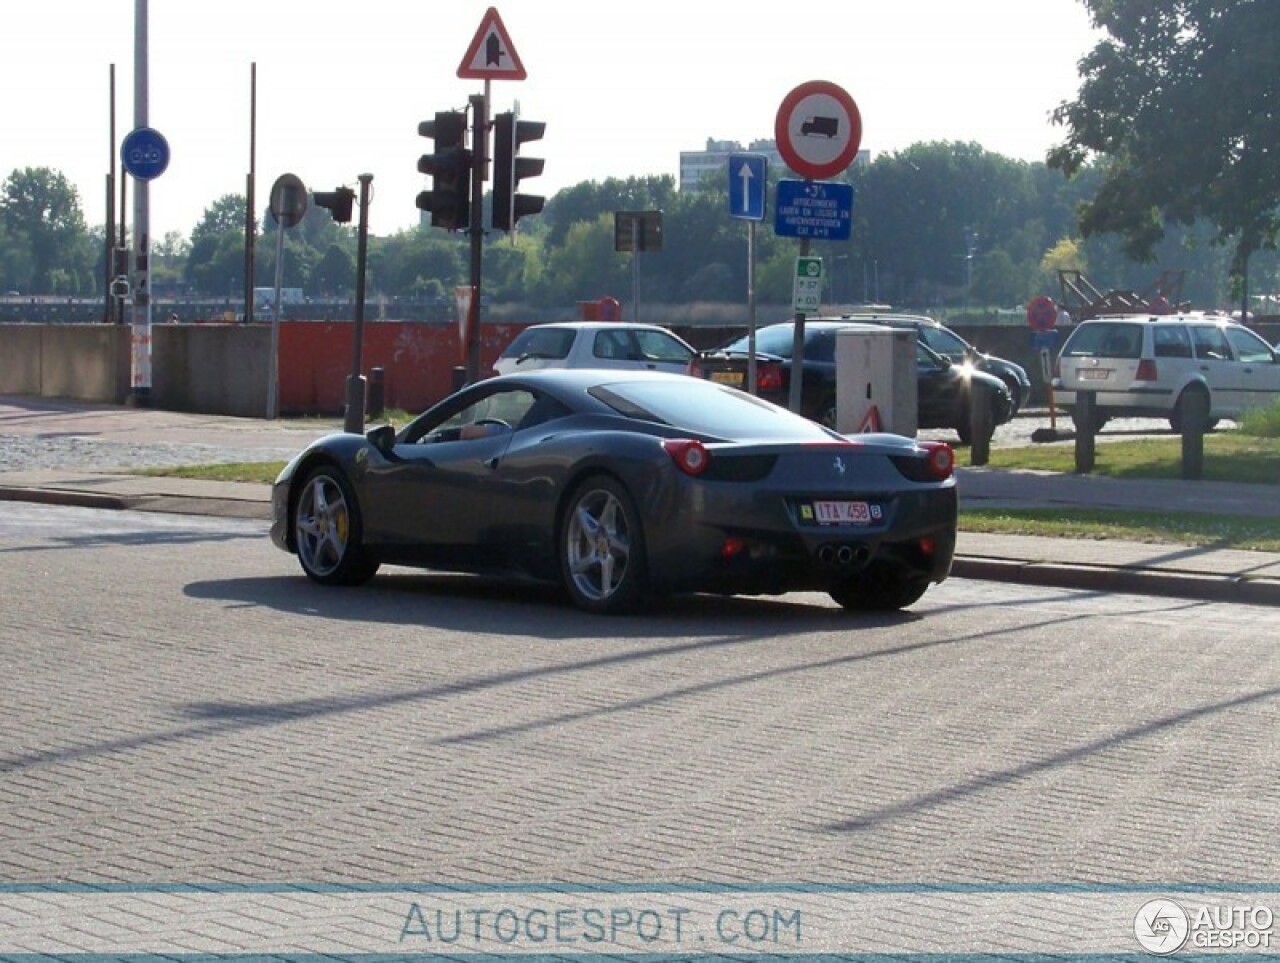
(621, 485)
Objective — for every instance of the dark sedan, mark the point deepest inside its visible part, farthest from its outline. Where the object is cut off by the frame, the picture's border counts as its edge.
(618, 485)
(944, 390)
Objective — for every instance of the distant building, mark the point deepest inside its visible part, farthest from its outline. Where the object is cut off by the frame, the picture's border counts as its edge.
(703, 166)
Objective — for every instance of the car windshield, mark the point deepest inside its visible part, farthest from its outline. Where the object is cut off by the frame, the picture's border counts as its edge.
(707, 409)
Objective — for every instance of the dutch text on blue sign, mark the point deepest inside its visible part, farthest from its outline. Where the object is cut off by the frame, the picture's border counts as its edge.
(816, 209)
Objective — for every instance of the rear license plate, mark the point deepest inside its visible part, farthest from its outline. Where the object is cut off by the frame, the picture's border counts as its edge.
(1095, 374)
(845, 513)
(733, 378)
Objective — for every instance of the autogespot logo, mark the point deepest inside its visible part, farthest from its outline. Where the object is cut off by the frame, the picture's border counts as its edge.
(1161, 926)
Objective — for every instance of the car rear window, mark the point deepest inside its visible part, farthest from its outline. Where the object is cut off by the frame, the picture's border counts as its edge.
(707, 409)
(1104, 339)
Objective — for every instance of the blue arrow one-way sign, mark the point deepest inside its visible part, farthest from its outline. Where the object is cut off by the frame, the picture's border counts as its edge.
(747, 181)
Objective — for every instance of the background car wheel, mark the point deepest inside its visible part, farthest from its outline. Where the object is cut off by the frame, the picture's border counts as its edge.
(880, 587)
(327, 530)
(602, 559)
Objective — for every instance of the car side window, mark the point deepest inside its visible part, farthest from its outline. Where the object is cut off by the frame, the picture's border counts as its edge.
(656, 346)
(1171, 341)
(1210, 343)
(495, 413)
(611, 345)
(1249, 347)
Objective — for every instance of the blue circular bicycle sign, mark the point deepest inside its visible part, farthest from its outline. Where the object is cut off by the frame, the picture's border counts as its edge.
(144, 153)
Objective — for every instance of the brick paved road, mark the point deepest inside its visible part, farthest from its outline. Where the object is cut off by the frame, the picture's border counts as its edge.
(180, 705)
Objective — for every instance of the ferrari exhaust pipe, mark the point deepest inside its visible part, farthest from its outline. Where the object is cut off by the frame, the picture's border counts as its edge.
(843, 556)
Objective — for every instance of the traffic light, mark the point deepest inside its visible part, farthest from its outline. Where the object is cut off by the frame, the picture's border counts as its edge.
(338, 202)
(449, 199)
(509, 168)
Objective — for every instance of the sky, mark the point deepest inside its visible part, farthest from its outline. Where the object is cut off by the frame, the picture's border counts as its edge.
(622, 87)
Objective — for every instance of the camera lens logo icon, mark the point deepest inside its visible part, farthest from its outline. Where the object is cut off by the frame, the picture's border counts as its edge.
(1161, 926)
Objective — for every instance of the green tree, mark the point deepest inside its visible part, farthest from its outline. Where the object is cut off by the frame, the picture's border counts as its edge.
(1179, 104)
(224, 215)
(40, 210)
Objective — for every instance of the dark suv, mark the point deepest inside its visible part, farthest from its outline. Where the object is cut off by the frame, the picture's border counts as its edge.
(943, 389)
(956, 349)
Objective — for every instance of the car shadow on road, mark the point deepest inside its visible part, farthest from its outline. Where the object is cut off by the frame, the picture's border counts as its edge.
(449, 601)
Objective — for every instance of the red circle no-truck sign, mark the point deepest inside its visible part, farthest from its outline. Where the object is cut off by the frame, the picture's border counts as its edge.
(1042, 313)
(818, 130)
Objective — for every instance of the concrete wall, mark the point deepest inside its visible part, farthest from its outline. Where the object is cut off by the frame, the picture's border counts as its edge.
(85, 361)
(211, 368)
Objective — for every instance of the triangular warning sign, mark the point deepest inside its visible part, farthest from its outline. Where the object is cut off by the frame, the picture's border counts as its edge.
(870, 421)
(491, 55)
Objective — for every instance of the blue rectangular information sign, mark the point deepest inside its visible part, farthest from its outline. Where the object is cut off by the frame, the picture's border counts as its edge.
(820, 210)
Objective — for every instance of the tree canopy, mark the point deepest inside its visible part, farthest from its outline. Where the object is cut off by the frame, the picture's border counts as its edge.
(1179, 103)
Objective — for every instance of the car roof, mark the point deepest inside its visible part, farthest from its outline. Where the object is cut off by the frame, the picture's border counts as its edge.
(598, 325)
(1184, 318)
(581, 378)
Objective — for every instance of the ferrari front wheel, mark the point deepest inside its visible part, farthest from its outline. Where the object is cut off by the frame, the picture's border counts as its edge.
(602, 559)
(327, 530)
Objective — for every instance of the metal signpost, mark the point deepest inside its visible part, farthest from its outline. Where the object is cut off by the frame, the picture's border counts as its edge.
(490, 56)
(144, 153)
(748, 180)
(288, 204)
(818, 130)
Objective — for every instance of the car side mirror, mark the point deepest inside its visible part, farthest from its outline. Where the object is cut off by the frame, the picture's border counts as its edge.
(383, 438)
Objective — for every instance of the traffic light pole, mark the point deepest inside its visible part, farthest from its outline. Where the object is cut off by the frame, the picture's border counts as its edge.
(479, 163)
(354, 418)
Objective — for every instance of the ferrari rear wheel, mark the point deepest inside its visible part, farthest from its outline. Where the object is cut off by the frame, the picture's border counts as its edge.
(880, 587)
(328, 532)
(602, 557)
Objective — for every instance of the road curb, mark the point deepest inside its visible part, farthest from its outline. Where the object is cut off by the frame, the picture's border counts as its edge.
(45, 496)
(1110, 579)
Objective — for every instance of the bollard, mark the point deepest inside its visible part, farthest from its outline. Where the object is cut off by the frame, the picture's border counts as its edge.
(1193, 418)
(981, 426)
(459, 377)
(377, 399)
(1086, 425)
(353, 417)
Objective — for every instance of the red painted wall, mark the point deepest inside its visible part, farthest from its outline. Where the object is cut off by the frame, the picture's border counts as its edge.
(418, 360)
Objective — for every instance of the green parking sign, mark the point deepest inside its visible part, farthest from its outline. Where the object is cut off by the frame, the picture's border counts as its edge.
(807, 294)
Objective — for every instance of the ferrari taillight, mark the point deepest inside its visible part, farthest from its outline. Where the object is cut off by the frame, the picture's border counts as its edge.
(769, 377)
(689, 454)
(940, 458)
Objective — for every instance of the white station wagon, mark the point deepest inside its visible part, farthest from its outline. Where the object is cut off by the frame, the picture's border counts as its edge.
(595, 344)
(1143, 366)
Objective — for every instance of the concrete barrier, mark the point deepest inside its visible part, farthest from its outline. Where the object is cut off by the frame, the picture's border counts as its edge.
(89, 362)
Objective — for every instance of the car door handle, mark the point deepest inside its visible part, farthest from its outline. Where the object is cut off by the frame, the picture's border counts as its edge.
(492, 462)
